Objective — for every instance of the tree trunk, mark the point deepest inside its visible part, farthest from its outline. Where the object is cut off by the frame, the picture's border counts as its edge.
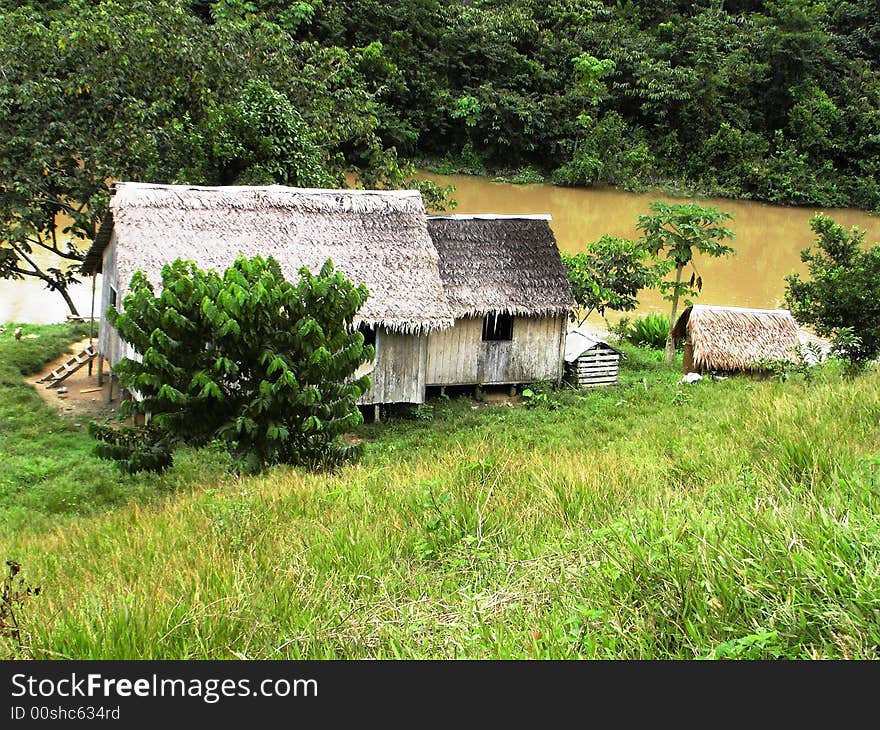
(70, 305)
(670, 345)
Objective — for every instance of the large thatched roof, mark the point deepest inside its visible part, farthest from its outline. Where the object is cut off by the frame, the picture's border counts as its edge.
(378, 238)
(500, 263)
(735, 338)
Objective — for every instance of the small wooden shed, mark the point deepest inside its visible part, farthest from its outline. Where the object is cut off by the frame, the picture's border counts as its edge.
(589, 361)
(734, 338)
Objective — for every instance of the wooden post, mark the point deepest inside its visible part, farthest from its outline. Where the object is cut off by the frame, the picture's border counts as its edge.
(110, 368)
(100, 369)
(513, 390)
(376, 410)
(92, 319)
(560, 370)
(442, 390)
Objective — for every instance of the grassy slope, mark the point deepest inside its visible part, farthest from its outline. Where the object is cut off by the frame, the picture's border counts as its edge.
(654, 520)
(49, 473)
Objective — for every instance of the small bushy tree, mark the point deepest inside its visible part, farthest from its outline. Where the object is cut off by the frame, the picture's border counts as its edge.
(258, 139)
(249, 358)
(678, 232)
(609, 275)
(842, 298)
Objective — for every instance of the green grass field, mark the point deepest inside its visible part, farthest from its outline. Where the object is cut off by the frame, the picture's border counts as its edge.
(734, 519)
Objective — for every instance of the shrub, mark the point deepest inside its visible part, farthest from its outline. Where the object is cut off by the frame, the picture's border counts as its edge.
(649, 330)
(248, 358)
(842, 299)
(609, 275)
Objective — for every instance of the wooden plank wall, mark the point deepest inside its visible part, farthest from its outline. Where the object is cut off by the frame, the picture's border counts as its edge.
(458, 356)
(596, 367)
(453, 353)
(110, 345)
(399, 375)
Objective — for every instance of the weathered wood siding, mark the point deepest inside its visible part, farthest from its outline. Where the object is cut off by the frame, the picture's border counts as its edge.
(596, 367)
(110, 344)
(458, 356)
(399, 375)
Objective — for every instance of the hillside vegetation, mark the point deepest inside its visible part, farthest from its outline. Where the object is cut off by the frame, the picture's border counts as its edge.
(773, 100)
(651, 520)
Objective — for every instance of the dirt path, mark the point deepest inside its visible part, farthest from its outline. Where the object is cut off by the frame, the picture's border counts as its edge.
(81, 394)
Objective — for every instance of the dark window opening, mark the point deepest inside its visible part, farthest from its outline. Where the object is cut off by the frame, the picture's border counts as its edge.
(497, 327)
(369, 334)
(112, 298)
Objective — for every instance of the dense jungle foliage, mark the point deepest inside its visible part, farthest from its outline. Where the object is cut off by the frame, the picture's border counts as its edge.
(776, 100)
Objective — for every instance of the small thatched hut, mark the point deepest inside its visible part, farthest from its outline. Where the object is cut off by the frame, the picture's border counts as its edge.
(510, 297)
(589, 361)
(379, 238)
(734, 338)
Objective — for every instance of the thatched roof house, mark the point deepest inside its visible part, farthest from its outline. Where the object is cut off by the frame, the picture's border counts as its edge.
(734, 338)
(379, 238)
(498, 279)
(500, 263)
(510, 296)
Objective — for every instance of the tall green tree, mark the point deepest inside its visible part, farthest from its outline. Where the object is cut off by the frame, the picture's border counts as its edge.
(247, 357)
(609, 275)
(259, 138)
(841, 299)
(129, 89)
(676, 233)
(77, 99)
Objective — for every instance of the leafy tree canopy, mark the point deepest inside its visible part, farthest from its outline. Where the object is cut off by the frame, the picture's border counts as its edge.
(246, 357)
(841, 299)
(137, 90)
(610, 274)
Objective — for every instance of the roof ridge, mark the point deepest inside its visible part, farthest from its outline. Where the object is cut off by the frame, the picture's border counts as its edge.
(407, 193)
(492, 216)
(730, 307)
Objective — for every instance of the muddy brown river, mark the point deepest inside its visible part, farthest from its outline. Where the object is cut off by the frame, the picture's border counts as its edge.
(768, 242)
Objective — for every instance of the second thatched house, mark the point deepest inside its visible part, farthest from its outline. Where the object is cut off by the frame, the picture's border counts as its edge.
(510, 296)
(379, 238)
(734, 338)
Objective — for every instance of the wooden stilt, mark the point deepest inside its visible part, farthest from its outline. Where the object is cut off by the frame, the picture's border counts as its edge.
(110, 388)
(512, 390)
(376, 413)
(92, 320)
(100, 369)
(442, 390)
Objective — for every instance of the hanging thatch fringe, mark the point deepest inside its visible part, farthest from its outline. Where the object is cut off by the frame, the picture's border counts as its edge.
(734, 338)
(378, 238)
(506, 264)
